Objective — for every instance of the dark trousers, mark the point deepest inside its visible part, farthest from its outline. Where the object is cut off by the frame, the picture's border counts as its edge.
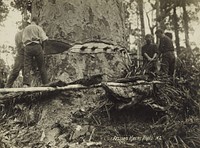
(168, 63)
(18, 65)
(150, 66)
(34, 51)
(2, 76)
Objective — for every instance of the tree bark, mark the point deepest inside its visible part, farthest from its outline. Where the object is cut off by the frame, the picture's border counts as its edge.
(176, 30)
(141, 10)
(142, 27)
(163, 14)
(158, 13)
(81, 22)
(186, 25)
(78, 21)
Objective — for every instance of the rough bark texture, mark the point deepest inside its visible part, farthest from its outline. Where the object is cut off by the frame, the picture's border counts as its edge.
(176, 30)
(78, 21)
(186, 26)
(72, 66)
(158, 12)
(141, 13)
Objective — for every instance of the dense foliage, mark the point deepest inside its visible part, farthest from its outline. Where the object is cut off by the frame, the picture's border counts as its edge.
(3, 11)
(22, 5)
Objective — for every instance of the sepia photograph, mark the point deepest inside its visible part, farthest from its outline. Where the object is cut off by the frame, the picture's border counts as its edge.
(99, 73)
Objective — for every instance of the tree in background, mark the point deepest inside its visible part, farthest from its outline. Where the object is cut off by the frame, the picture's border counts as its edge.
(171, 14)
(137, 27)
(176, 27)
(141, 14)
(3, 70)
(3, 11)
(24, 6)
(188, 16)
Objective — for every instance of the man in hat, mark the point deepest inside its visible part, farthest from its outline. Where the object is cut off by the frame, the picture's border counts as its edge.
(3, 73)
(166, 51)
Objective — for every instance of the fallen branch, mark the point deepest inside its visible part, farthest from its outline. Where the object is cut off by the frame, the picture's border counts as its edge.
(44, 89)
(139, 82)
(73, 87)
(8, 94)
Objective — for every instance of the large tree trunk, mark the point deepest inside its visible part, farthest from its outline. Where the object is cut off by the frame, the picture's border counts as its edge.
(77, 21)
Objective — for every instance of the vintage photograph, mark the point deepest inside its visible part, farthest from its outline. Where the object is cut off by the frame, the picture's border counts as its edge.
(99, 73)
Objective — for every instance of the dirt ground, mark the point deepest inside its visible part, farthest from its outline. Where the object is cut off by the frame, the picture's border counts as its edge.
(74, 119)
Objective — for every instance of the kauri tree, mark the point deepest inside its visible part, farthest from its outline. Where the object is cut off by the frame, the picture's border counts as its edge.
(97, 26)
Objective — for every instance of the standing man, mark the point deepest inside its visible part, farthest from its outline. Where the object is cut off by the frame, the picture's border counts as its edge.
(149, 54)
(166, 50)
(19, 59)
(33, 38)
(3, 73)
